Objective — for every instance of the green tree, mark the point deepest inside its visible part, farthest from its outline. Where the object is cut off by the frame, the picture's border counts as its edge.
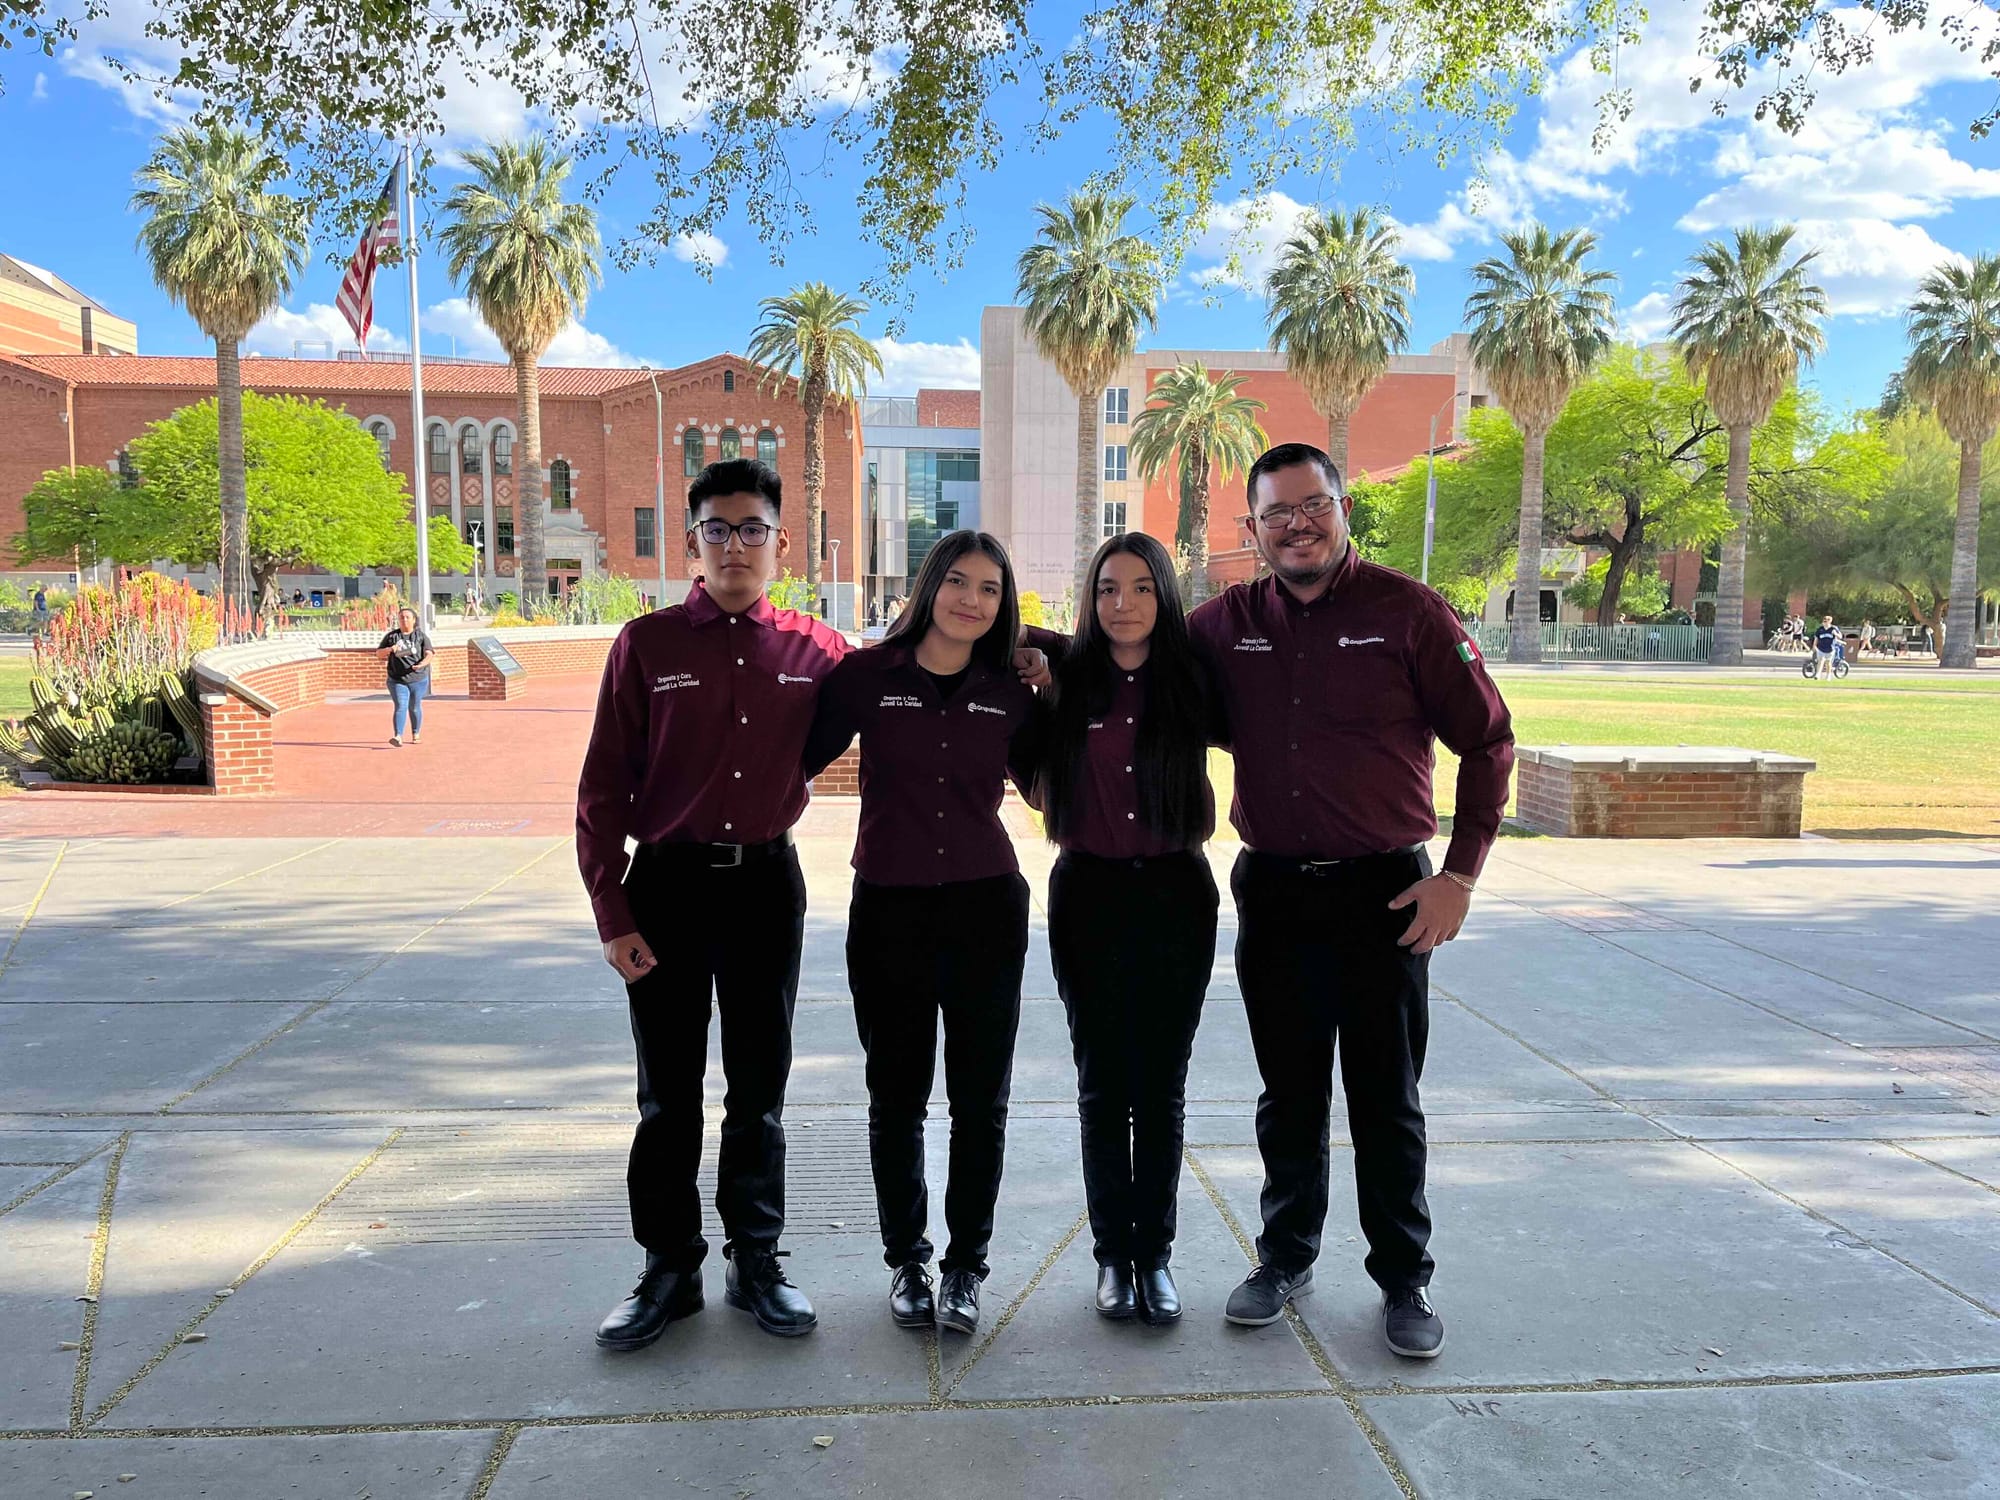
(1954, 368)
(1201, 419)
(1089, 287)
(812, 331)
(1339, 307)
(70, 514)
(1745, 318)
(318, 496)
(527, 261)
(1539, 318)
(449, 552)
(222, 245)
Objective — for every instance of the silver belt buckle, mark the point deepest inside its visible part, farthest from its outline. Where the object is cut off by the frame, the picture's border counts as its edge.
(728, 864)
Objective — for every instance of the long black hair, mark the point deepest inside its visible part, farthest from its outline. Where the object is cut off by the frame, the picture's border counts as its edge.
(995, 649)
(1172, 754)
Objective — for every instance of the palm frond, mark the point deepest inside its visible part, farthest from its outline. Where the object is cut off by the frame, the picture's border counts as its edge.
(1089, 288)
(1746, 318)
(1539, 317)
(1339, 305)
(1954, 333)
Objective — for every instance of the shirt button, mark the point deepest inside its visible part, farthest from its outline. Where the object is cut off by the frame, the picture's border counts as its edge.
(1128, 769)
(940, 781)
(727, 826)
(1128, 677)
(739, 661)
(1130, 816)
(1128, 718)
(732, 619)
(940, 815)
(944, 744)
(1295, 744)
(1295, 794)
(1294, 701)
(746, 718)
(1302, 656)
(739, 775)
(940, 851)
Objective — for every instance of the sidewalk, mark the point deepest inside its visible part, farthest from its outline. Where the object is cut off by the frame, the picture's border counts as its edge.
(311, 1183)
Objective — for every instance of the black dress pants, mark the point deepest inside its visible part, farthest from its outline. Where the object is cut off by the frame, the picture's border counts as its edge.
(915, 954)
(1133, 943)
(733, 933)
(1318, 960)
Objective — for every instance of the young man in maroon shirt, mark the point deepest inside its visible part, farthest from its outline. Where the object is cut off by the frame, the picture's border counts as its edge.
(696, 755)
(1335, 675)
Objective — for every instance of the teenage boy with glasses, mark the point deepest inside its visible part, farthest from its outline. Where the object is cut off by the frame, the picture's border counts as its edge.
(695, 755)
(1335, 676)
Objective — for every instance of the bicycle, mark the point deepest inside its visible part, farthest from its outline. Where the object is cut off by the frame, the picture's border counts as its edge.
(1810, 667)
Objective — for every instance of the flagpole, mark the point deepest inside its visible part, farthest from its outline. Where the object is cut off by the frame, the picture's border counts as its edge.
(418, 436)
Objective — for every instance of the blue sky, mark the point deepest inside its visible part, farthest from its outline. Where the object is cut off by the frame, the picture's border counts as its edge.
(1884, 180)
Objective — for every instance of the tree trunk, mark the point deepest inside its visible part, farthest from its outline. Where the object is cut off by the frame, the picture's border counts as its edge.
(1337, 424)
(1961, 642)
(1934, 617)
(1198, 533)
(234, 599)
(1624, 552)
(1524, 638)
(529, 545)
(1726, 646)
(1089, 485)
(813, 393)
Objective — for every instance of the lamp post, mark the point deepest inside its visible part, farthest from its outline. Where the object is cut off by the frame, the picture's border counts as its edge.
(1431, 488)
(659, 485)
(833, 543)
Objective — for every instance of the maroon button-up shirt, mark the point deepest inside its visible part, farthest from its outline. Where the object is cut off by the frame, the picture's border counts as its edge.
(701, 727)
(932, 772)
(1332, 707)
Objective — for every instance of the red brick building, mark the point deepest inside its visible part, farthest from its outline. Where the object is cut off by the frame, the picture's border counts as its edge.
(598, 444)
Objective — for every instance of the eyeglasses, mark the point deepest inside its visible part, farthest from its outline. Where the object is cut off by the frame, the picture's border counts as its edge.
(716, 532)
(1280, 517)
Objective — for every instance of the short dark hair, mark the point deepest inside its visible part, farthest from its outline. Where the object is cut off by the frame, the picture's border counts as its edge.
(1290, 456)
(996, 647)
(737, 476)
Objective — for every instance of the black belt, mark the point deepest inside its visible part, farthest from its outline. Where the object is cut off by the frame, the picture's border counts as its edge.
(713, 856)
(1279, 864)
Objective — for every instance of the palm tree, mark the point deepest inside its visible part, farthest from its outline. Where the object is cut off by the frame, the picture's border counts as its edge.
(812, 330)
(1203, 419)
(1744, 320)
(1089, 287)
(1954, 368)
(1539, 319)
(1339, 307)
(222, 245)
(527, 261)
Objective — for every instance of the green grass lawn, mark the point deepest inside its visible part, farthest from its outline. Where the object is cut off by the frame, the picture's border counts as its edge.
(14, 686)
(1898, 756)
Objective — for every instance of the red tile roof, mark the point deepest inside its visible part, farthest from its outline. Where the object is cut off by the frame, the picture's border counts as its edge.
(332, 376)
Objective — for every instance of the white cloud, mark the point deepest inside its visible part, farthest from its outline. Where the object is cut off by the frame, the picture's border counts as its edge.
(1869, 267)
(575, 345)
(1894, 172)
(908, 366)
(1648, 318)
(319, 324)
(1252, 231)
(41, 90)
(699, 249)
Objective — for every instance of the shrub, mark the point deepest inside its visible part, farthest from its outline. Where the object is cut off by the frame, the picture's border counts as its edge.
(602, 601)
(113, 647)
(792, 592)
(1032, 612)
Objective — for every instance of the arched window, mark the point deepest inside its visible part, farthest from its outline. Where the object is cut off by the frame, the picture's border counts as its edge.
(728, 380)
(694, 445)
(558, 480)
(440, 446)
(732, 443)
(379, 430)
(503, 451)
(767, 447)
(470, 450)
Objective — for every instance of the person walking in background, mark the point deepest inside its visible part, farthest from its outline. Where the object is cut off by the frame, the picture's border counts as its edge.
(1335, 676)
(939, 920)
(1122, 783)
(39, 616)
(407, 649)
(1866, 645)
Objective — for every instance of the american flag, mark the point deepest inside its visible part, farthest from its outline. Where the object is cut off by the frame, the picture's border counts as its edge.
(356, 299)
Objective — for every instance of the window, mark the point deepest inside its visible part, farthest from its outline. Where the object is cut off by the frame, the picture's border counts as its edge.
(693, 447)
(947, 515)
(503, 452)
(731, 443)
(1114, 460)
(643, 543)
(1117, 405)
(503, 533)
(1114, 517)
(128, 472)
(475, 528)
(961, 466)
(379, 430)
(470, 450)
(558, 482)
(767, 447)
(440, 445)
(728, 380)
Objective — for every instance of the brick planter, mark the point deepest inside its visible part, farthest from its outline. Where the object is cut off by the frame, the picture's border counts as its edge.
(1655, 792)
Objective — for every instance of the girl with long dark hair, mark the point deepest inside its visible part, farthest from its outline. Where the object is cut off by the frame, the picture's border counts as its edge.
(939, 920)
(1123, 787)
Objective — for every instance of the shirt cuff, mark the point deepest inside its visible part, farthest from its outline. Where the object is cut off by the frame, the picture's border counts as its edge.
(1471, 841)
(614, 914)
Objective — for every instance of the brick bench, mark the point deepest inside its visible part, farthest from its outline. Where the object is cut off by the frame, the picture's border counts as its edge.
(1659, 792)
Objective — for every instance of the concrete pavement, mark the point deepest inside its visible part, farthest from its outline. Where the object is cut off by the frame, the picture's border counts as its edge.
(311, 1183)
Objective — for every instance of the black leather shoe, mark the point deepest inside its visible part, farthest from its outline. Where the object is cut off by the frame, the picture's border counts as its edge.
(958, 1302)
(661, 1297)
(910, 1300)
(1114, 1291)
(1159, 1300)
(1411, 1325)
(1263, 1294)
(757, 1284)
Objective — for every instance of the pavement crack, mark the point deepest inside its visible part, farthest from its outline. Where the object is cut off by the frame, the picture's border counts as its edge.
(52, 1179)
(502, 1446)
(93, 1286)
(1020, 1298)
(34, 905)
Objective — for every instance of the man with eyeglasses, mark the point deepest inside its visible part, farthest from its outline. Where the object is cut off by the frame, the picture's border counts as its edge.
(696, 754)
(1335, 676)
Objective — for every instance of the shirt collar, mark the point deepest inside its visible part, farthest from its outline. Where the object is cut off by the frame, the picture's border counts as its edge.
(703, 610)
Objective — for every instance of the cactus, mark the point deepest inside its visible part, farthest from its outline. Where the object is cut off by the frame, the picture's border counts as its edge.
(174, 693)
(42, 695)
(152, 713)
(127, 753)
(12, 741)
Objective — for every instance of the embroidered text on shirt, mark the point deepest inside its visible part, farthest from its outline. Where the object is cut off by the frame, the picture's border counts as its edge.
(1361, 640)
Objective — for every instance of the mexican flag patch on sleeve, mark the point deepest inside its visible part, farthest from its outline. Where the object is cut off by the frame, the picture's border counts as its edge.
(1467, 651)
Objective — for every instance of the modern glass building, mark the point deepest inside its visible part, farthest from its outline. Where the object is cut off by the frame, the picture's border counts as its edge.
(920, 480)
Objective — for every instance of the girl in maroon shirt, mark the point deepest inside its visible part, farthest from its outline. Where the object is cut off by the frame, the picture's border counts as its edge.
(939, 921)
(1123, 785)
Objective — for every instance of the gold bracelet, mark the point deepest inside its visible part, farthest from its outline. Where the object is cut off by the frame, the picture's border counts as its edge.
(1457, 879)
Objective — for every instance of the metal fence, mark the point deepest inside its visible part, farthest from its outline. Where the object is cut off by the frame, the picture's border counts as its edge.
(1608, 642)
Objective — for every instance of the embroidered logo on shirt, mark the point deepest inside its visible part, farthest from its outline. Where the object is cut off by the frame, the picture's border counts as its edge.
(983, 708)
(1467, 651)
(783, 678)
(1361, 640)
(1254, 643)
(675, 680)
(900, 700)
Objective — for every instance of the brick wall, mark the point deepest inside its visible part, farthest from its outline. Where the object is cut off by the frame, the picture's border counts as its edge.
(842, 778)
(947, 408)
(1602, 802)
(237, 745)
